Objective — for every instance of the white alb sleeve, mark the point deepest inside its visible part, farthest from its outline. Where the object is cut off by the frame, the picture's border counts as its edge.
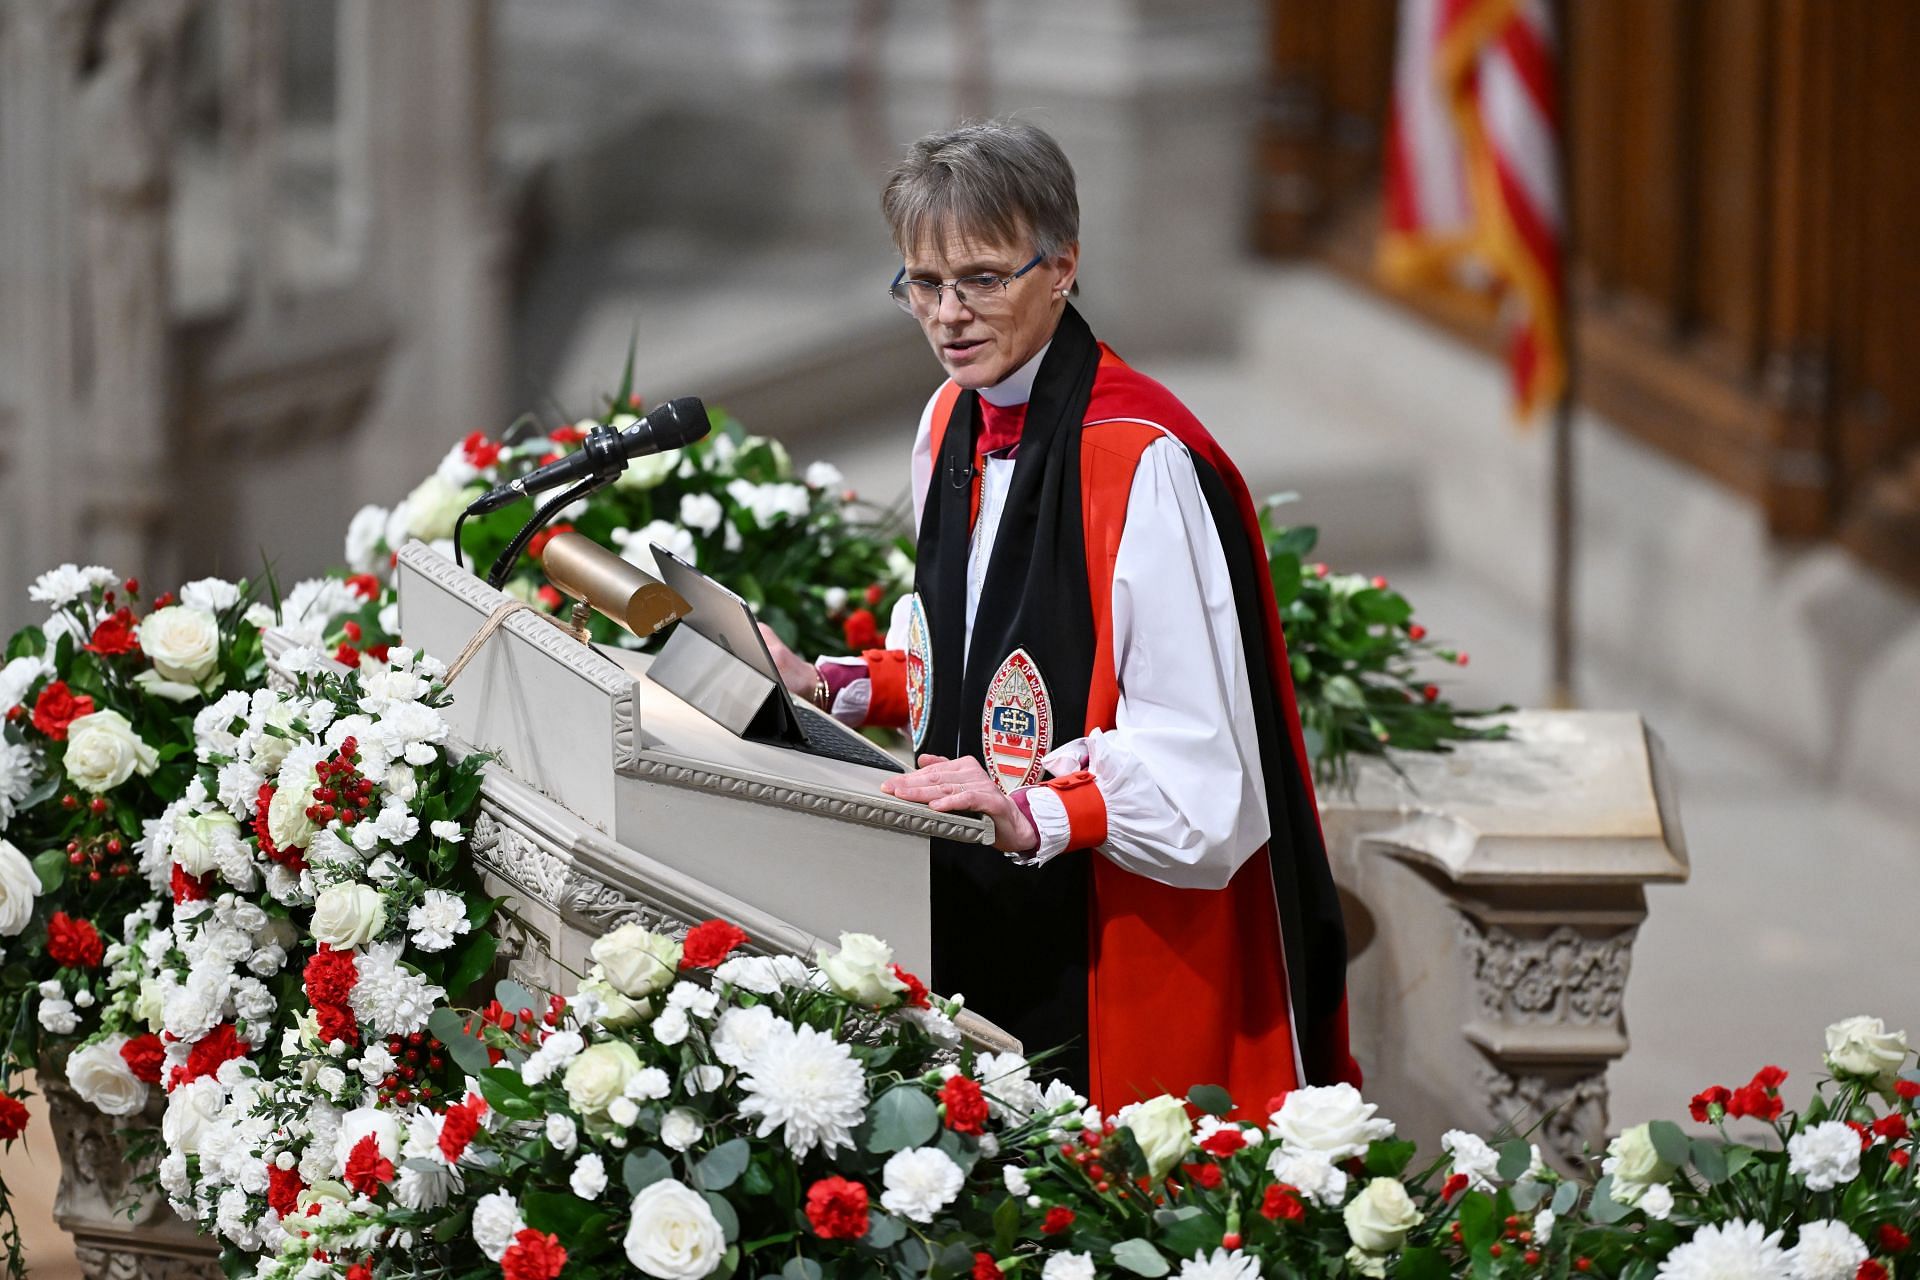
(1180, 771)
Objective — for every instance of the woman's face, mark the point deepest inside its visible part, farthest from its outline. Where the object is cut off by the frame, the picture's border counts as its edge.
(980, 344)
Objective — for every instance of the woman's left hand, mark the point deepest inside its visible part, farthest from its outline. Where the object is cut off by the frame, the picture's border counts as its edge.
(953, 785)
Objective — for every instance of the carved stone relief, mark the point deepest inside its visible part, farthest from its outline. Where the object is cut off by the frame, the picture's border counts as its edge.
(1571, 1111)
(1562, 977)
(516, 858)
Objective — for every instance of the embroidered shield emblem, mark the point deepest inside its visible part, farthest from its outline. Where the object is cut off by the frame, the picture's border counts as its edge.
(1016, 728)
(919, 671)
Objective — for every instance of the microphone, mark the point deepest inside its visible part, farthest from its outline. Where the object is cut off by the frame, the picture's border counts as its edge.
(606, 452)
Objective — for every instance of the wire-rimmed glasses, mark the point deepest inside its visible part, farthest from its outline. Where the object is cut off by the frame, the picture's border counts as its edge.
(986, 292)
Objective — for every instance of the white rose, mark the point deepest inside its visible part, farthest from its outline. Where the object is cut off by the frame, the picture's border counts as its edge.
(701, 511)
(1331, 1119)
(103, 751)
(1861, 1047)
(184, 643)
(190, 1109)
(288, 825)
(1379, 1218)
(920, 1182)
(19, 886)
(611, 1009)
(673, 1234)
(100, 1075)
(599, 1075)
(348, 915)
(681, 1128)
(1634, 1164)
(635, 961)
(1160, 1126)
(429, 511)
(197, 838)
(862, 970)
(648, 470)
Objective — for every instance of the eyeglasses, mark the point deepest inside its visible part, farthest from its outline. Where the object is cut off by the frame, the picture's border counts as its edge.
(981, 293)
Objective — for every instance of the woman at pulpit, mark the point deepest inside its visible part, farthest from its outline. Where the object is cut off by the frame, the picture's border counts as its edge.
(1092, 658)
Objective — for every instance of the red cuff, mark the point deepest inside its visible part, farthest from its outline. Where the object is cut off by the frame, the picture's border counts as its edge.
(1086, 809)
(887, 703)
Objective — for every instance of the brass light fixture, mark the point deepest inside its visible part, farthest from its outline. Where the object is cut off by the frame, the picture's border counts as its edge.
(595, 578)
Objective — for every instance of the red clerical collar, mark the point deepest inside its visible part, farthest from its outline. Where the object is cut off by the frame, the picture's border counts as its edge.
(1000, 426)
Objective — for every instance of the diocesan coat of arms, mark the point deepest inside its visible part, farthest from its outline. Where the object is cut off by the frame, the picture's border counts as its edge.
(1016, 728)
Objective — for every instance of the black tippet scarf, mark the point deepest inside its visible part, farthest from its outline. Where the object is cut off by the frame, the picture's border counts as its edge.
(1015, 939)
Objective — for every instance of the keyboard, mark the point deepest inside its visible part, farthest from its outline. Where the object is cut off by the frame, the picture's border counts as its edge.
(827, 737)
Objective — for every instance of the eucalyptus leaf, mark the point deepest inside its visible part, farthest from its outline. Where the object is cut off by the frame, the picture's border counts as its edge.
(903, 1118)
(1210, 1098)
(643, 1169)
(721, 1167)
(1515, 1157)
(1140, 1257)
(1565, 1197)
(467, 1050)
(1669, 1143)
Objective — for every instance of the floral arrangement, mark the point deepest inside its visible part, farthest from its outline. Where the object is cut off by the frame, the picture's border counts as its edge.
(817, 565)
(1354, 645)
(98, 704)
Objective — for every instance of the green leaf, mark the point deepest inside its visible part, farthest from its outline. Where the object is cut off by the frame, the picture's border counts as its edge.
(724, 1214)
(513, 997)
(1710, 1160)
(644, 1168)
(471, 964)
(51, 867)
(1140, 1257)
(1605, 1210)
(1006, 1225)
(505, 1093)
(27, 642)
(1738, 1158)
(452, 1226)
(1479, 1220)
(1669, 1143)
(1210, 1098)
(1421, 1263)
(903, 1118)
(1515, 1156)
(1565, 1197)
(721, 1167)
(1387, 1157)
(468, 1051)
(758, 1181)
(884, 1231)
(801, 1269)
(560, 1212)
(956, 1259)
(1200, 1231)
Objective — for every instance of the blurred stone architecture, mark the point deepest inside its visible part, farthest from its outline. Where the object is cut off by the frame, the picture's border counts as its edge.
(262, 262)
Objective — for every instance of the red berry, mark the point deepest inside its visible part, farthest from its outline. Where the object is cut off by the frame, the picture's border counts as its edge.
(132, 586)
(1532, 1257)
(1416, 632)
(1231, 1240)
(76, 858)
(97, 805)
(93, 877)
(114, 846)
(1379, 583)
(1321, 571)
(1583, 1264)
(69, 801)
(1494, 1249)
(1103, 1186)
(1462, 659)
(1431, 692)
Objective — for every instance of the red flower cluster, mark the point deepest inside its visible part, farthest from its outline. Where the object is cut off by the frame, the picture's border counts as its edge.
(537, 546)
(1891, 1239)
(985, 1268)
(114, 636)
(288, 858)
(74, 944)
(1908, 1089)
(368, 1170)
(837, 1208)
(1280, 1204)
(532, 1256)
(917, 996)
(13, 1117)
(1204, 1175)
(330, 977)
(1059, 1218)
(479, 451)
(862, 630)
(208, 1053)
(144, 1056)
(966, 1105)
(1759, 1097)
(1893, 1128)
(189, 888)
(283, 1189)
(57, 707)
(709, 943)
(1704, 1101)
(1223, 1141)
(364, 585)
(461, 1123)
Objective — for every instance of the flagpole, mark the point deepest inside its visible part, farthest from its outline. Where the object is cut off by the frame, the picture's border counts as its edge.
(1560, 653)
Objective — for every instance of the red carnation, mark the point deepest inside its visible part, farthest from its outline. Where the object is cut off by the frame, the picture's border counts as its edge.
(1908, 1089)
(1891, 1238)
(1892, 1128)
(862, 630)
(1059, 1218)
(709, 943)
(917, 994)
(1280, 1204)
(13, 1117)
(966, 1105)
(187, 888)
(480, 452)
(72, 943)
(1453, 1186)
(208, 1053)
(837, 1208)
(367, 1169)
(1899, 1157)
(1871, 1269)
(1718, 1096)
(532, 1256)
(144, 1056)
(57, 707)
(114, 635)
(1207, 1175)
(566, 433)
(1754, 1100)
(364, 585)
(283, 1189)
(538, 546)
(985, 1268)
(550, 598)
(1770, 1077)
(461, 1123)
(330, 976)
(361, 1270)
(1223, 1141)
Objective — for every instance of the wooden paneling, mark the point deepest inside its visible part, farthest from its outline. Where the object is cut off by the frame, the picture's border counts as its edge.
(1744, 190)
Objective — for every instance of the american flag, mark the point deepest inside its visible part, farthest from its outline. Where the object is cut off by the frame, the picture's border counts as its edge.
(1473, 172)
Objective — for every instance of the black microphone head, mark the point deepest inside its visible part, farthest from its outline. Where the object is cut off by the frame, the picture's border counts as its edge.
(678, 423)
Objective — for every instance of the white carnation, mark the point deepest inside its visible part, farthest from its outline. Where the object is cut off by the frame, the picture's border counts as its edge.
(680, 1128)
(1472, 1157)
(366, 533)
(1824, 1155)
(589, 1177)
(562, 1133)
(1065, 1265)
(1224, 1264)
(1311, 1173)
(1827, 1250)
(496, 1221)
(701, 511)
(60, 587)
(920, 1182)
(439, 918)
(762, 975)
(210, 595)
(1736, 1250)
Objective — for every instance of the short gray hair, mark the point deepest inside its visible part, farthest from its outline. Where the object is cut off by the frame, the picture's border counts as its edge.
(999, 179)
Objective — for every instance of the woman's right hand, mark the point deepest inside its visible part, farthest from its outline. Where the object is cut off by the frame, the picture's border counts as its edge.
(799, 675)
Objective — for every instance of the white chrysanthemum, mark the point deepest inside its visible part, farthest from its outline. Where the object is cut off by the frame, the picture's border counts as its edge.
(1225, 1264)
(1827, 1250)
(1007, 1081)
(16, 778)
(1311, 1173)
(920, 1182)
(804, 1081)
(210, 595)
(393, 1000)
(438, 920)
(311, 606)
(1824, 1155)
(62, 586)
(1471, 1156)
(762, 975)
(496, 1221)
(1065, 1265)
(1736, 1250)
